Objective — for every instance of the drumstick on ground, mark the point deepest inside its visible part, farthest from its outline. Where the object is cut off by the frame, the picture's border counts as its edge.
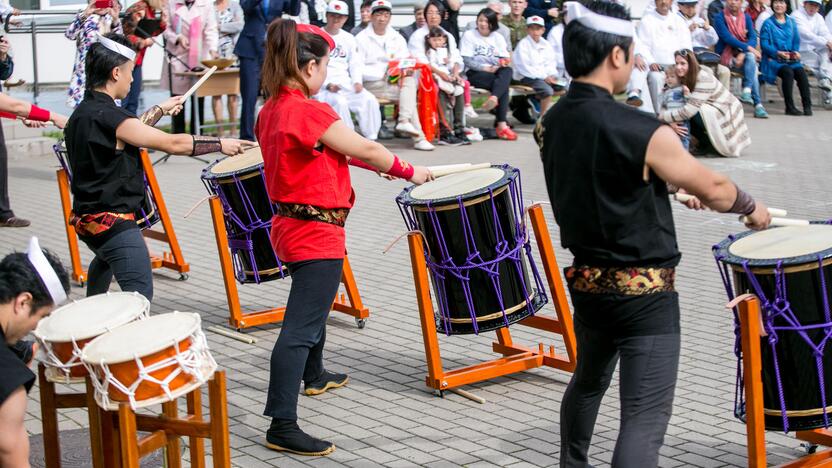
(684, 197)
(448, 169)
(199, 83)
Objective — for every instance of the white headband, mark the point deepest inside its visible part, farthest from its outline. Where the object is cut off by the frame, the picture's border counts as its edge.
(125, 52)
(46, 272)
(602, 23)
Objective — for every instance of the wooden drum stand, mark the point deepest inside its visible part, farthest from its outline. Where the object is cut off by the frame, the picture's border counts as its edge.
(350, 304)
(173, 259)
(516, 358)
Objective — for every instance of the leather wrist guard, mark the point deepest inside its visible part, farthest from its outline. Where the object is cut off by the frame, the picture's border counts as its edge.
(205, 145)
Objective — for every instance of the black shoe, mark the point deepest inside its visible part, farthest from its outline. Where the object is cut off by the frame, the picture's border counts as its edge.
(807, 110)
(449, 139)
(460, 135)
(793, 111)
(326, 381)
(385, 133)
(284, 435)
(14, 222)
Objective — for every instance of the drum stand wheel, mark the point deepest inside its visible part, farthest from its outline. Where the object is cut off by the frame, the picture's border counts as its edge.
(751, 330)
(360, 323)
(183, 277)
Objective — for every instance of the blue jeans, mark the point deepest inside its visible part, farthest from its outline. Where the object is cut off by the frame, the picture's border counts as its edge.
(131, 103)
(685, 139)
(749, 77)
(124, 256)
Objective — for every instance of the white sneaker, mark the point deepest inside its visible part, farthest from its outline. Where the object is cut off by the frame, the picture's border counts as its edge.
(408, 128)
(423, 145)
(473, 134)
(470, 112)
(825, 84)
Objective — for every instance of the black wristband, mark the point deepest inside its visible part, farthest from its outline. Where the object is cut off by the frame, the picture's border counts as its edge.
(205, 145)
(744, 204)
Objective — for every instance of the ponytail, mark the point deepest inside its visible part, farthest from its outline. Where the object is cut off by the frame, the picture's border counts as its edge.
(287, 53)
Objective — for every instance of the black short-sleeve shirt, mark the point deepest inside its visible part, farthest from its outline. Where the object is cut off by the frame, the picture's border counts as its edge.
(103, 178)
(13, 371)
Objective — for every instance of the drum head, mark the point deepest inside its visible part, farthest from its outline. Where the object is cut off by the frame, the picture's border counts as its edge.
(465, 185)
(91, 317)
(790, 245)
(250, 159)
(141, 338)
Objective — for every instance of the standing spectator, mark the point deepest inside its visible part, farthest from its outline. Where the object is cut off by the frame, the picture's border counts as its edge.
(661, 33)
(365, 17)
(379, 44)
(141, 40)
(488, 62)
(535, 63)
(450, 22)
(7, 217)
(229, 23)
(100, 17)
(191, 38)
(250, 48)
(737, 47)
(418, 20)
(342, 88)
(497, 7)
(780, 42)
(815, 45)
(546, 9)
(515, 21)
(312, 12)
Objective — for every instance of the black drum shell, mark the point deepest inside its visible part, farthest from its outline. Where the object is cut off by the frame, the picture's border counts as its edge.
(148, 213)
(795, 359)
(481, 218)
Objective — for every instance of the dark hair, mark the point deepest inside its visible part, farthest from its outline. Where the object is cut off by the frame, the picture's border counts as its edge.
(439, 7)
(689, 79)
(584, 49)
(100, 61)
(366, 4)
(491, 16)
(18, 276)
(287, 52)
(435, 31)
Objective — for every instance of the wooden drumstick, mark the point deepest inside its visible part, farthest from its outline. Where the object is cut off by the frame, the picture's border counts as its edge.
(448, 169)
(684, 197)
(199, 83)
(781, 221)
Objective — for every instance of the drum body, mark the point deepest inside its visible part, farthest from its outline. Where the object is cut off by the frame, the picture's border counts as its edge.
(240, 184)
(149, 362)
(477, 249)
(790, 270)
(64, 334)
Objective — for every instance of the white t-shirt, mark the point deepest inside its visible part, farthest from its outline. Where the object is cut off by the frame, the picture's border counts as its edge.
(662, 35)
(483, 50)
(344, 68)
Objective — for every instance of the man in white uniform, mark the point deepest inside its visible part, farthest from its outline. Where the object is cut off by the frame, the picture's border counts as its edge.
(378, 45)
(661, 33)
(343, 89)
(703, 36)
(815, 45)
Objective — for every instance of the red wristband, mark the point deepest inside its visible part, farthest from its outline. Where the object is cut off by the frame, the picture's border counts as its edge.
(38, 114)
(8, 115)
(359, 163)
(401, 169)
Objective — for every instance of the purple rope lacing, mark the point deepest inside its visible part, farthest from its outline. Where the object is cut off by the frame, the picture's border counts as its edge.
(445, 267)
(62, 156)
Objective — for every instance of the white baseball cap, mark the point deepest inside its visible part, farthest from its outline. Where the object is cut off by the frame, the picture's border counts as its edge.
(535, 21)
(338, 7)
(381, 5)
(813, 1)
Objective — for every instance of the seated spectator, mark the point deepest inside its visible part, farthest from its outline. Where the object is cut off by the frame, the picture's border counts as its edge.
(661, 33)
(703, 38)
(445, 65)
(379, 44)
(815, 45)
(488, 62)
(763, 16)
(365, 17)
(674, 96)
(755, 8)
(535, 63)
(515, 21)
(546, 9)
(714, 113)
(780, 42)
(497, 7)
(737, 47)
(418, 20)
(342, 88)
(555, 38)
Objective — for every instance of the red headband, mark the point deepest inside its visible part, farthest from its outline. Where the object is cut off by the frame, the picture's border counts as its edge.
(309, 28)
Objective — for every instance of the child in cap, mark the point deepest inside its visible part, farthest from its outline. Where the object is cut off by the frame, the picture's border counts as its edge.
(535, 64)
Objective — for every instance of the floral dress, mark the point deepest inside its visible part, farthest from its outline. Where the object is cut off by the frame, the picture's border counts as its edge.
(84, 31)
(230, 23)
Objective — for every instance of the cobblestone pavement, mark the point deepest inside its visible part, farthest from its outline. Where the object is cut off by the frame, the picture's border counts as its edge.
(386, 416)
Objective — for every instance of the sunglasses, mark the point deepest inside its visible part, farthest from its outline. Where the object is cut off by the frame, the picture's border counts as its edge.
(683, 52)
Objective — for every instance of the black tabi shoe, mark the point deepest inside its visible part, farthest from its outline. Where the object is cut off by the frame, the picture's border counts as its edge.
(807, 110)
(323, 383)
(793, 111)
(284, 435)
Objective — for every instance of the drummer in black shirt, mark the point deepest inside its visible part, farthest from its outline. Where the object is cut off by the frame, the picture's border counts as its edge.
(31, 285)
(103, 142)
(608, 168)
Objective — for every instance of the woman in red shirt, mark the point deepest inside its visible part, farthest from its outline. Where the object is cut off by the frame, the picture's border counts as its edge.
(304, 146)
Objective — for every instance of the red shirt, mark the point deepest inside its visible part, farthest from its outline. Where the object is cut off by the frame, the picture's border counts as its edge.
(299, 169)
(150, 14)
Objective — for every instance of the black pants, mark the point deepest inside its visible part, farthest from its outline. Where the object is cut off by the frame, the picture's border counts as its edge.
(5, 206)
(498, 83)
(298, 352)
(649, 364)
(788, 76)
(124, 256)
(453, 109)
(177, 122)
